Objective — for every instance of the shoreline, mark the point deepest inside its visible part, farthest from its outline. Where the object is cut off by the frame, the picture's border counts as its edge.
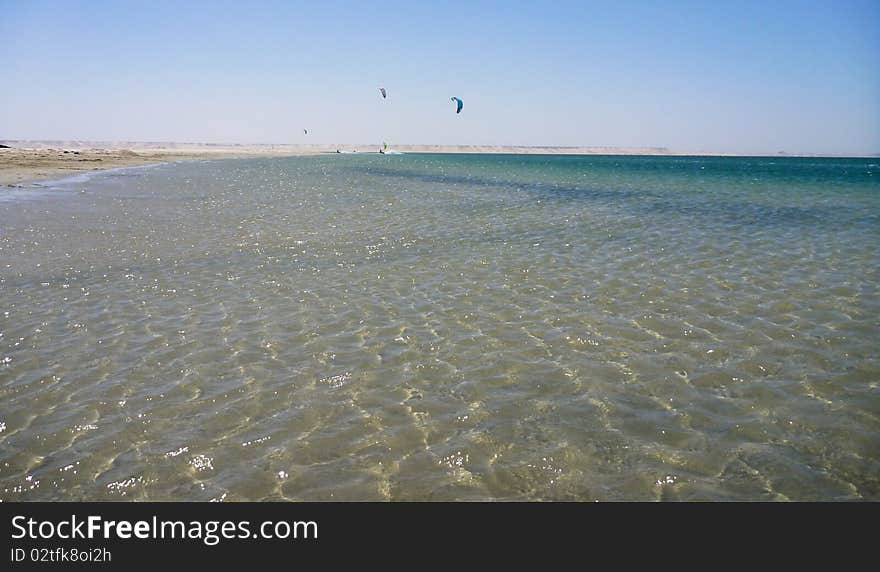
(23, 163)
(27, 163)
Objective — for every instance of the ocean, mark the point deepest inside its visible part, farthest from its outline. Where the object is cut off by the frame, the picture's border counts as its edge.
(444, 328)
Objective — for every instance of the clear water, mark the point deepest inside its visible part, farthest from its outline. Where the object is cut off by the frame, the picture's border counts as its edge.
(444, 327)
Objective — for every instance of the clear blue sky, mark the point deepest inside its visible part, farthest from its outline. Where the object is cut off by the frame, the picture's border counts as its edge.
(762, 76)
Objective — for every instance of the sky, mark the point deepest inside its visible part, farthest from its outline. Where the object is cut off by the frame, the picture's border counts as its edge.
(740, 77)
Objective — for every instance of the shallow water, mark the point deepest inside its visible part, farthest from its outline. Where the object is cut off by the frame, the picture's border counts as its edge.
(444, 327)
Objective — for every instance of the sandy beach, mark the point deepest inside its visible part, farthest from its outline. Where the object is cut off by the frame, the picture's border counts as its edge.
(26, 162)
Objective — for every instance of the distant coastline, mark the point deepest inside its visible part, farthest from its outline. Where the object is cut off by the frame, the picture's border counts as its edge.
(24, 161)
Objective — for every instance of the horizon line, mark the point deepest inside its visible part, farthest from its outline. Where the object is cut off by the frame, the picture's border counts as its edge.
(484, 148)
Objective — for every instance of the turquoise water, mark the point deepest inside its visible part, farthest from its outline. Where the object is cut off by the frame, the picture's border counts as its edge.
(444, 327)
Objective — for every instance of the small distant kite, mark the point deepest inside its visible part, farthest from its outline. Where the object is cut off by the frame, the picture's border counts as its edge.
(306, 131)
(382, 91)
(458, 104)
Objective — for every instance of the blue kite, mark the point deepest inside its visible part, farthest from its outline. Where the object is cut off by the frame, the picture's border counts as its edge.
(458, 104)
